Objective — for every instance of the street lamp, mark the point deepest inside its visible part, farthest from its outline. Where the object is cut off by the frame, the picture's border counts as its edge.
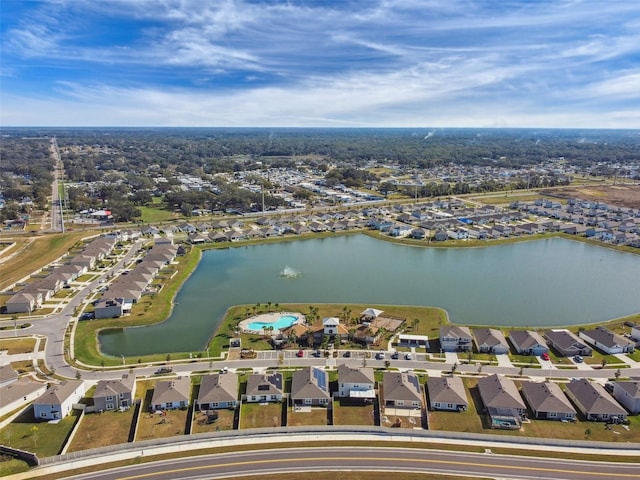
(123, 364)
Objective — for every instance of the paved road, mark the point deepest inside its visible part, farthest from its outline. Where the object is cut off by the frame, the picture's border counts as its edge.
(396, 460)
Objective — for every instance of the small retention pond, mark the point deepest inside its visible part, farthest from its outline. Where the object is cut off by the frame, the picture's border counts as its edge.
(538, 283)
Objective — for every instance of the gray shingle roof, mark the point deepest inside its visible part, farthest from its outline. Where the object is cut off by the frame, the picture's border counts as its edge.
(447, 390)
(546, 397)
(218, 388)
(401, 386)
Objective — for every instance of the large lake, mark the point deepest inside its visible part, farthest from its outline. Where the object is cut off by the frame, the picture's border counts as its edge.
(538, 283)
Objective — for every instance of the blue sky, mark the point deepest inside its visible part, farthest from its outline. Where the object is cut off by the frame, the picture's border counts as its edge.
(360, 63)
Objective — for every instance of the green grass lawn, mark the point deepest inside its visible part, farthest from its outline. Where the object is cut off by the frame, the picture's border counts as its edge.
(40, 437)
(254, 415)
(157, 213)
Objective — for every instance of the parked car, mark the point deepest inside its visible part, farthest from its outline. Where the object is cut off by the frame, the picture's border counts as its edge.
(87, 316)
(395, 355)
(407, 356)
(578, 359)
(347, 354)
(164, 370)
(545, 356)
(317, 353)
(380, 356)
(300, 354)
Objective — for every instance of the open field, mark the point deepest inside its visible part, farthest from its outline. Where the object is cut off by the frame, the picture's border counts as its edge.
(36, 254)
(102, 429)
(619, 195)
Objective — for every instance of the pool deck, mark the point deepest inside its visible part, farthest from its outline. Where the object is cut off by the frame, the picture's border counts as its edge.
(271, 317)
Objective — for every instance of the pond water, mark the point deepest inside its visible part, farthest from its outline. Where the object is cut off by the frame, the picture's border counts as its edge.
(538, 283)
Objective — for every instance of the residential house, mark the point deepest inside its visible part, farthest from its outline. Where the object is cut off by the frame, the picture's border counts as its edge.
(18, 393)
(566, 344)
(264, 387)
(528, 342)
(109, 308)
(447, 393)
(502, 401)
(171, 394)
(490, 340)
(218, 391)
(627, 393)
(593, 401)
(115, 394)
(356, 383)
(310, 386)
(24, 303)
(607, 341)
(401, 390)
(56, 403)
(547, 402)
(455, 338)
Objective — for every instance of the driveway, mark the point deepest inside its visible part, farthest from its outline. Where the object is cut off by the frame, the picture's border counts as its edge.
(504, 361)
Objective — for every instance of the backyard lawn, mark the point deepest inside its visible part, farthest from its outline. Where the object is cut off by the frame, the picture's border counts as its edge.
(255, 415)
(153, 425)
(225, 421)
(346, 412)
(40, 437)
(102, 429)
(317, 416)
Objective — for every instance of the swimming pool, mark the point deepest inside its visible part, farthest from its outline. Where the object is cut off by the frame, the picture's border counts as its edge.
(284, 321)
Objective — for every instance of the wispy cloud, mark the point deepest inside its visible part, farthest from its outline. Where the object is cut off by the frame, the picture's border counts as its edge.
(293, 62)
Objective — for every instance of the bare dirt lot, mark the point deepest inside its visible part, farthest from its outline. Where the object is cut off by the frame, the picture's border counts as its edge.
(618, 195)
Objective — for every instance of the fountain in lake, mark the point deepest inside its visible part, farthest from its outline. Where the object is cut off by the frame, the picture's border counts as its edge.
(289, 272)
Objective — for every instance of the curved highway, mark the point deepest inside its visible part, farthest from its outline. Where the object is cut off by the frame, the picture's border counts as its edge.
(323, 459)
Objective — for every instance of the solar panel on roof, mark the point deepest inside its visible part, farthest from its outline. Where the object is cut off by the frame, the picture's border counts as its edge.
(320, 378)
(414, 381)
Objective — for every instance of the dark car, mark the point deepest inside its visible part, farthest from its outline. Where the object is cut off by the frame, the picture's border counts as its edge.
(347, 354)
(87, 316)
(395, 356)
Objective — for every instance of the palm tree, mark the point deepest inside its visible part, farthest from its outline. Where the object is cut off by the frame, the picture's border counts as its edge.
(269, 306)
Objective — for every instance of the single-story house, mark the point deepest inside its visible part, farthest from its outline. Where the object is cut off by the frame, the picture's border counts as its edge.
(408, 340)
(547, 402)
(24, 303)
(356, 383)
(566, 344)
(219, 390)
(594, 402)
(264, 387)
(115, 394)
(401, 390)
(607, 341)
(310, 386)
(56, 403)
(490, 340)
(502, 401)
(447, 393)
(18, 393)
(528, 342)
(109, 308)
(455, 338)
(635, 333)
(171, 394)
(627, 393)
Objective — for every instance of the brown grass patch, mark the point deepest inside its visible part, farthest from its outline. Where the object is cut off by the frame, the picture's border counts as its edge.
(102, 429)
(16, 346)
(225, 421)
(317, 416)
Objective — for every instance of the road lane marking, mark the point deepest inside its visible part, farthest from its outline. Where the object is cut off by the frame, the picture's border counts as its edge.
(378, 459)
